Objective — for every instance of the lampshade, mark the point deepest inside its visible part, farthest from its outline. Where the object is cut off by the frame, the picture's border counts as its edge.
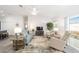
(26, 26)
(56, 29)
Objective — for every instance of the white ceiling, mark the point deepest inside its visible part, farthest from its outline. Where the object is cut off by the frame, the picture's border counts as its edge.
(44, 10)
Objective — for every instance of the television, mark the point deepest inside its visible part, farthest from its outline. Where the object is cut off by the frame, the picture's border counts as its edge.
(39, 28)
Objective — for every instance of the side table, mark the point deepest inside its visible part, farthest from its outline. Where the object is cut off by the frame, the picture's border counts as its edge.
(18, 44)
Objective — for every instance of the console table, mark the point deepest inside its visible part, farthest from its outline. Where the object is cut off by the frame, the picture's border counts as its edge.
(39, 33)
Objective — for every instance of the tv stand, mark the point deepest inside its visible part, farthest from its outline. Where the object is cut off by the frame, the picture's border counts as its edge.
(39, 31)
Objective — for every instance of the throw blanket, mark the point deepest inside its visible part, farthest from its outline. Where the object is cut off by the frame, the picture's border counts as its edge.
(27, 37)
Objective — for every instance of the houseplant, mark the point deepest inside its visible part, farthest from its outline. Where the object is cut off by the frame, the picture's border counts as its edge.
(50, 26)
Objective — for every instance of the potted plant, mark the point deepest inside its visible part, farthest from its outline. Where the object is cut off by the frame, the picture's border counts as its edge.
(50, 26)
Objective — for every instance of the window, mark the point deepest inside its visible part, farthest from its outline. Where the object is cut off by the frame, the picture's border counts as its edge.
(72, 23)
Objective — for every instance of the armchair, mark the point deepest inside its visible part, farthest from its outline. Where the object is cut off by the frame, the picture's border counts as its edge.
(59, 44)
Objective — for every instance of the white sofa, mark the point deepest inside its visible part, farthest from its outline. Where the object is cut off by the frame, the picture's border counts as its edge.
(57, 44)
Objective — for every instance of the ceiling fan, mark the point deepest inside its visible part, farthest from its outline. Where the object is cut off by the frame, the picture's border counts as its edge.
(33, 12)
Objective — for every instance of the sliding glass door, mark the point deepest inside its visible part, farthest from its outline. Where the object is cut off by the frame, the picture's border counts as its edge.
(73, 26)
(74, 23)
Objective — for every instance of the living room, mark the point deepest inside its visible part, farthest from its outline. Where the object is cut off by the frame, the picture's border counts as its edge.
(35, 19)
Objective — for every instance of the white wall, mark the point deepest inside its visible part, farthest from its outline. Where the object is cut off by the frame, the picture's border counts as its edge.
(61, 24)
(34, 21)
(9, 22)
